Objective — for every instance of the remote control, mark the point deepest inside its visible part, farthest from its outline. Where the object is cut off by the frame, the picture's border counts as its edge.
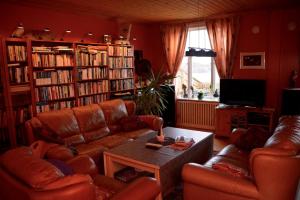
(153, 145)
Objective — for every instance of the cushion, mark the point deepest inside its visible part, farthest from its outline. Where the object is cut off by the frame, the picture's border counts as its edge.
(91, 121)
(132, 123)
(68, 180)
(114, 111)
(254, 137)
(32, 170)
(62, 166)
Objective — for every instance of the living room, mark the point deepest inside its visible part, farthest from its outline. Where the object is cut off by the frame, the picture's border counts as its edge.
(233, 102)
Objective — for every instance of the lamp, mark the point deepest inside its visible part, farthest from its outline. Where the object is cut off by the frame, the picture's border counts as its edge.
(66, 32)
(86, 36)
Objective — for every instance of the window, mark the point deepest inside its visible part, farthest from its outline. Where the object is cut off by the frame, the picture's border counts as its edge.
(197, 73)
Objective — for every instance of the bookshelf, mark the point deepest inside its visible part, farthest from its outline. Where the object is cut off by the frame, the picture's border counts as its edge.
(92, 73)
(121, 70)
(39, 76)
(53, 75)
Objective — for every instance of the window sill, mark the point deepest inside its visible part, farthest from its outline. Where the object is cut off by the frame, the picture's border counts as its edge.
(209, 99)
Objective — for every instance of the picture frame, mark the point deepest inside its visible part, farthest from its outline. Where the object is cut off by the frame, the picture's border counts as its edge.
(252, 60)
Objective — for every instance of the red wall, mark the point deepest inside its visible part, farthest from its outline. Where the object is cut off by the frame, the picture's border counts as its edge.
(281, 46)
(147, 35)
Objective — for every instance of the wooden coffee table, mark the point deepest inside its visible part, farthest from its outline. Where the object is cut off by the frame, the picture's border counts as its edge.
(165, 163)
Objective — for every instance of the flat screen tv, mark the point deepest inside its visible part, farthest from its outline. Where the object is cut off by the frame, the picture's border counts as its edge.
(242, 92)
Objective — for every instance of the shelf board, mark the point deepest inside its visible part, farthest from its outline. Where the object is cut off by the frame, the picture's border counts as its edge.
(92, 80)
(53, 68)
(56, 84)
(87, 66)
(114, 79)
(122, 90)
(86, 95)
(55, 100)
(120, 68)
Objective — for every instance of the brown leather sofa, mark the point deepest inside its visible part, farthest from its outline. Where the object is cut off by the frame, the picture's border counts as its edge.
(93, 128)
(25, 175)
(268, 173)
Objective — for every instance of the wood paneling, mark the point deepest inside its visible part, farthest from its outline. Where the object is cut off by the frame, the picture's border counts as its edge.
(155, 10)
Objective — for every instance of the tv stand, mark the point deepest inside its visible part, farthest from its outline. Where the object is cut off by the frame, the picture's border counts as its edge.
(229, 117)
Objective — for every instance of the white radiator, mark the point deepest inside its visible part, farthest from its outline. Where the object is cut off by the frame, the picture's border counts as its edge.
(196, 114)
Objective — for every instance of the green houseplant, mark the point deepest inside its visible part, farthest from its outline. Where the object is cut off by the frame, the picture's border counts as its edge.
(151, 99)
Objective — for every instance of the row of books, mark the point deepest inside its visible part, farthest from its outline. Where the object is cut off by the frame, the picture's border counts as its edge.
(117, 85)
(122, 73)
(54, 92)
(119, 62)
(22, 114)
(54, 106)
(16, 53)
(92, 73)
(52, 50)
(51, 60)
(18, 74)
(120, 51)
(87, 59)
(92, 99)
(53, 77)
(92, 87)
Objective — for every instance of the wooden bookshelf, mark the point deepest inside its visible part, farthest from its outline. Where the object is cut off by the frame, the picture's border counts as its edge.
(39, 76)
(121, 70)
(92, 70)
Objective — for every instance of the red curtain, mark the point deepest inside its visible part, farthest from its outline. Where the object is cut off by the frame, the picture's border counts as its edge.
(174, 39)
(223, 35)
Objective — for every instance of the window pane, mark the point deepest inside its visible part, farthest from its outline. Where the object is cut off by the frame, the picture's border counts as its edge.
(182, 77)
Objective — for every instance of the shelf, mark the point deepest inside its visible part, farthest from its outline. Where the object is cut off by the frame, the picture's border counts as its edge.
(122, 90)
(120, 68)
(83, 67)
(86, 95)
(91, 80)
(53, 68)
(57, 84)
(114, 79)
(55, 100)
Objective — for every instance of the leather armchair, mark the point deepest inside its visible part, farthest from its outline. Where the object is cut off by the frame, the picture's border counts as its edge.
(273, 172)
(24, 175)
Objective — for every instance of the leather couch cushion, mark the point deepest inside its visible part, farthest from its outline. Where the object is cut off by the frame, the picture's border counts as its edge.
(253, 137)
(132, 123)
(61, 124)
(131, 107)
(231, 151)
(30, 169)
(91, 122)
(286, 135)
(114, 111)
(68, 181)
(62, 166)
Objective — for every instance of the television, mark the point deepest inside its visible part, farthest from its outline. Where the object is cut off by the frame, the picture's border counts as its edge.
(243, 92)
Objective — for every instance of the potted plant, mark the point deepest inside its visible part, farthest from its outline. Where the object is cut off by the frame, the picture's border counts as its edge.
(151, 99)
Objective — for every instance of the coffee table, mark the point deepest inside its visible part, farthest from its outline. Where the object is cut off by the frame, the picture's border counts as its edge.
(165, 163)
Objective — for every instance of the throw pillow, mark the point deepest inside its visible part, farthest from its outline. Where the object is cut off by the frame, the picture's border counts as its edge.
(230, 169)
(132, 123)
(254, 137)
(62, 166)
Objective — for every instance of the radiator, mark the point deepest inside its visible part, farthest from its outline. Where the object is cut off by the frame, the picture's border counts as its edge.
(196, 114)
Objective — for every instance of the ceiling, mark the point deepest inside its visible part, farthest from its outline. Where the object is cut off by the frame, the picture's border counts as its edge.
(155, 10)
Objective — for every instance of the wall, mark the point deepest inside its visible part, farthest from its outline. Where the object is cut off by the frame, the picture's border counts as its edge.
(281, 46)
(147, 35)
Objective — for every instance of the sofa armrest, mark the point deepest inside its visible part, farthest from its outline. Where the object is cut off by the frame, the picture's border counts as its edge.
(276, 172)
(154, 122)
(144, 188)
(83, 164)
(206, 177)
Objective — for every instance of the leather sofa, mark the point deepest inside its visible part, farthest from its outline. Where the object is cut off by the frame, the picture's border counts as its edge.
(91, 129)
(26, 175)
(271, 172)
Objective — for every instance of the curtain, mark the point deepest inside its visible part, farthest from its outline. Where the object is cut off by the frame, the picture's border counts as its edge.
(223, 35)
(174, 39)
